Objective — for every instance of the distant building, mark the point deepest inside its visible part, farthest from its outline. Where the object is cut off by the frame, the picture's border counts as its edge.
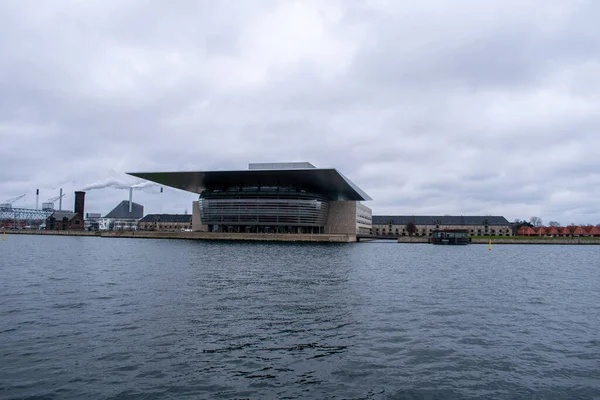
(92, 221)
(424, 225)
(566, 231)
(124, 217)
(166, 222)
(121, 211)
(64, 221)
(68, 220)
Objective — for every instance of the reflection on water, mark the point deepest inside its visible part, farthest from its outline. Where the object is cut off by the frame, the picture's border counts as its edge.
(92, 317)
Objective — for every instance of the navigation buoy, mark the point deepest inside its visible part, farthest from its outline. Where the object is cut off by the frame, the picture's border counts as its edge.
(490, 244)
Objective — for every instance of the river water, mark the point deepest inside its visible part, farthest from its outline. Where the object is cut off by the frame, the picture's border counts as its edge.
(103, 318)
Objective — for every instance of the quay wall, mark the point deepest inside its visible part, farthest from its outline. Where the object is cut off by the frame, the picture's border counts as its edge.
(548, 240)
(272, 237)
(317, 238)
(50, 233)
(516, 240)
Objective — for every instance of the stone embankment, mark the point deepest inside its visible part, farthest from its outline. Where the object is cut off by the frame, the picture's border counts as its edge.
(516, 240)
(324, 238)
(270, 237)
(51, 233)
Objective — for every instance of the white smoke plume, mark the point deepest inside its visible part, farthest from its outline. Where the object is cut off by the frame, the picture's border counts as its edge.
(116, 184)
(144, 185)
(108, 183)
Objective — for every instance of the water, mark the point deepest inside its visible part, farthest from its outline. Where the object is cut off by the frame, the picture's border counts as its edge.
(126, 318)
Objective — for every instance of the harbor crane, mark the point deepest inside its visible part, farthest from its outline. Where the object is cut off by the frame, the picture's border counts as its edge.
(8, 203)
(49, 204)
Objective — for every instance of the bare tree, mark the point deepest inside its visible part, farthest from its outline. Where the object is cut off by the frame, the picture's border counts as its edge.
(536, 221)
(411, 228)
(555, 224)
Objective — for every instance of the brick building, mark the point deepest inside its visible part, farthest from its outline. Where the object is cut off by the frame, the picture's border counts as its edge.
(565, 231)
(64, 221)
(165, 222)
(426, 224)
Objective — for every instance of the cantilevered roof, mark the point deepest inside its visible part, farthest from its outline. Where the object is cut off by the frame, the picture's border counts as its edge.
(329, 181)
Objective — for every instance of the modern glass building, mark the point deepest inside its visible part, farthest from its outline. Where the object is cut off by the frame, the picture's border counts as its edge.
(272, 198)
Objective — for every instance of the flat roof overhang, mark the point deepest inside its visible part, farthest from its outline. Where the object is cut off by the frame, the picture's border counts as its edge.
(329, 181)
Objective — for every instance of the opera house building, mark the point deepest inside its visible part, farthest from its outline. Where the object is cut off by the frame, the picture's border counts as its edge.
(282, 198)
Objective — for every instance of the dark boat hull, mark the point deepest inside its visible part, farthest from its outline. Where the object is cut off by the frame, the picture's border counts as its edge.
(450, 241)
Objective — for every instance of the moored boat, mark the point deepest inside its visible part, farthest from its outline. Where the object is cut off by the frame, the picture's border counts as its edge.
(450, 236)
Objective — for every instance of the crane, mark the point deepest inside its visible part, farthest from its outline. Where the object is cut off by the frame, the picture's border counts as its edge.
(49, 204)
(8, 203)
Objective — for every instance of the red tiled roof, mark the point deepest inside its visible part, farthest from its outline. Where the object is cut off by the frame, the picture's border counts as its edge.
(594, 231)
(526, 231)
(564, 230)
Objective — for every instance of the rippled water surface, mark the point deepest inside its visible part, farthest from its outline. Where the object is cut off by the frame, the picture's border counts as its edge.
(127, 318)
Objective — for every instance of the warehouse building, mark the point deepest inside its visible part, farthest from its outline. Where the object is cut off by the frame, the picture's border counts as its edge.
(64, 221)
(166, 223)
(272, 198)
(423, 225)
(68, 220)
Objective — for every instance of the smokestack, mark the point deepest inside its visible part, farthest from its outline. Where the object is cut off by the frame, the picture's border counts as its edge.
(80, 203)
(37, 198)
(130, 200)
(60, 201)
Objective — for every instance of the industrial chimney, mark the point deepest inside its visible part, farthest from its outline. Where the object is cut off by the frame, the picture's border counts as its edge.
(130, 200)
(80, 203)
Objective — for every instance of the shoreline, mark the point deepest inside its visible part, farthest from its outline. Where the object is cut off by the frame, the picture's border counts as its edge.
(525, 240)
(315, 238)
(223, 236)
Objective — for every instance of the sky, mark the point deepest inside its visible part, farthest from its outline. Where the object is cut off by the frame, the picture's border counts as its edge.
(432, 107)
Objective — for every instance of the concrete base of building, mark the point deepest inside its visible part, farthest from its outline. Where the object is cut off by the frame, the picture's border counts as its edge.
(267, 237)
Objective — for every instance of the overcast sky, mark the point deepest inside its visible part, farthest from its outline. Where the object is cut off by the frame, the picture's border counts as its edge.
(431, 106)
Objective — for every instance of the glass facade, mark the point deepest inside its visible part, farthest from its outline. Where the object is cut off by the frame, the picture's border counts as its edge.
(264, 209)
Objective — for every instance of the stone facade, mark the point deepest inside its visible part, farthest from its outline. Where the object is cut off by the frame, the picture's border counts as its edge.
(364, 219)
(348, 217)
(197, 225)
(397, 226)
